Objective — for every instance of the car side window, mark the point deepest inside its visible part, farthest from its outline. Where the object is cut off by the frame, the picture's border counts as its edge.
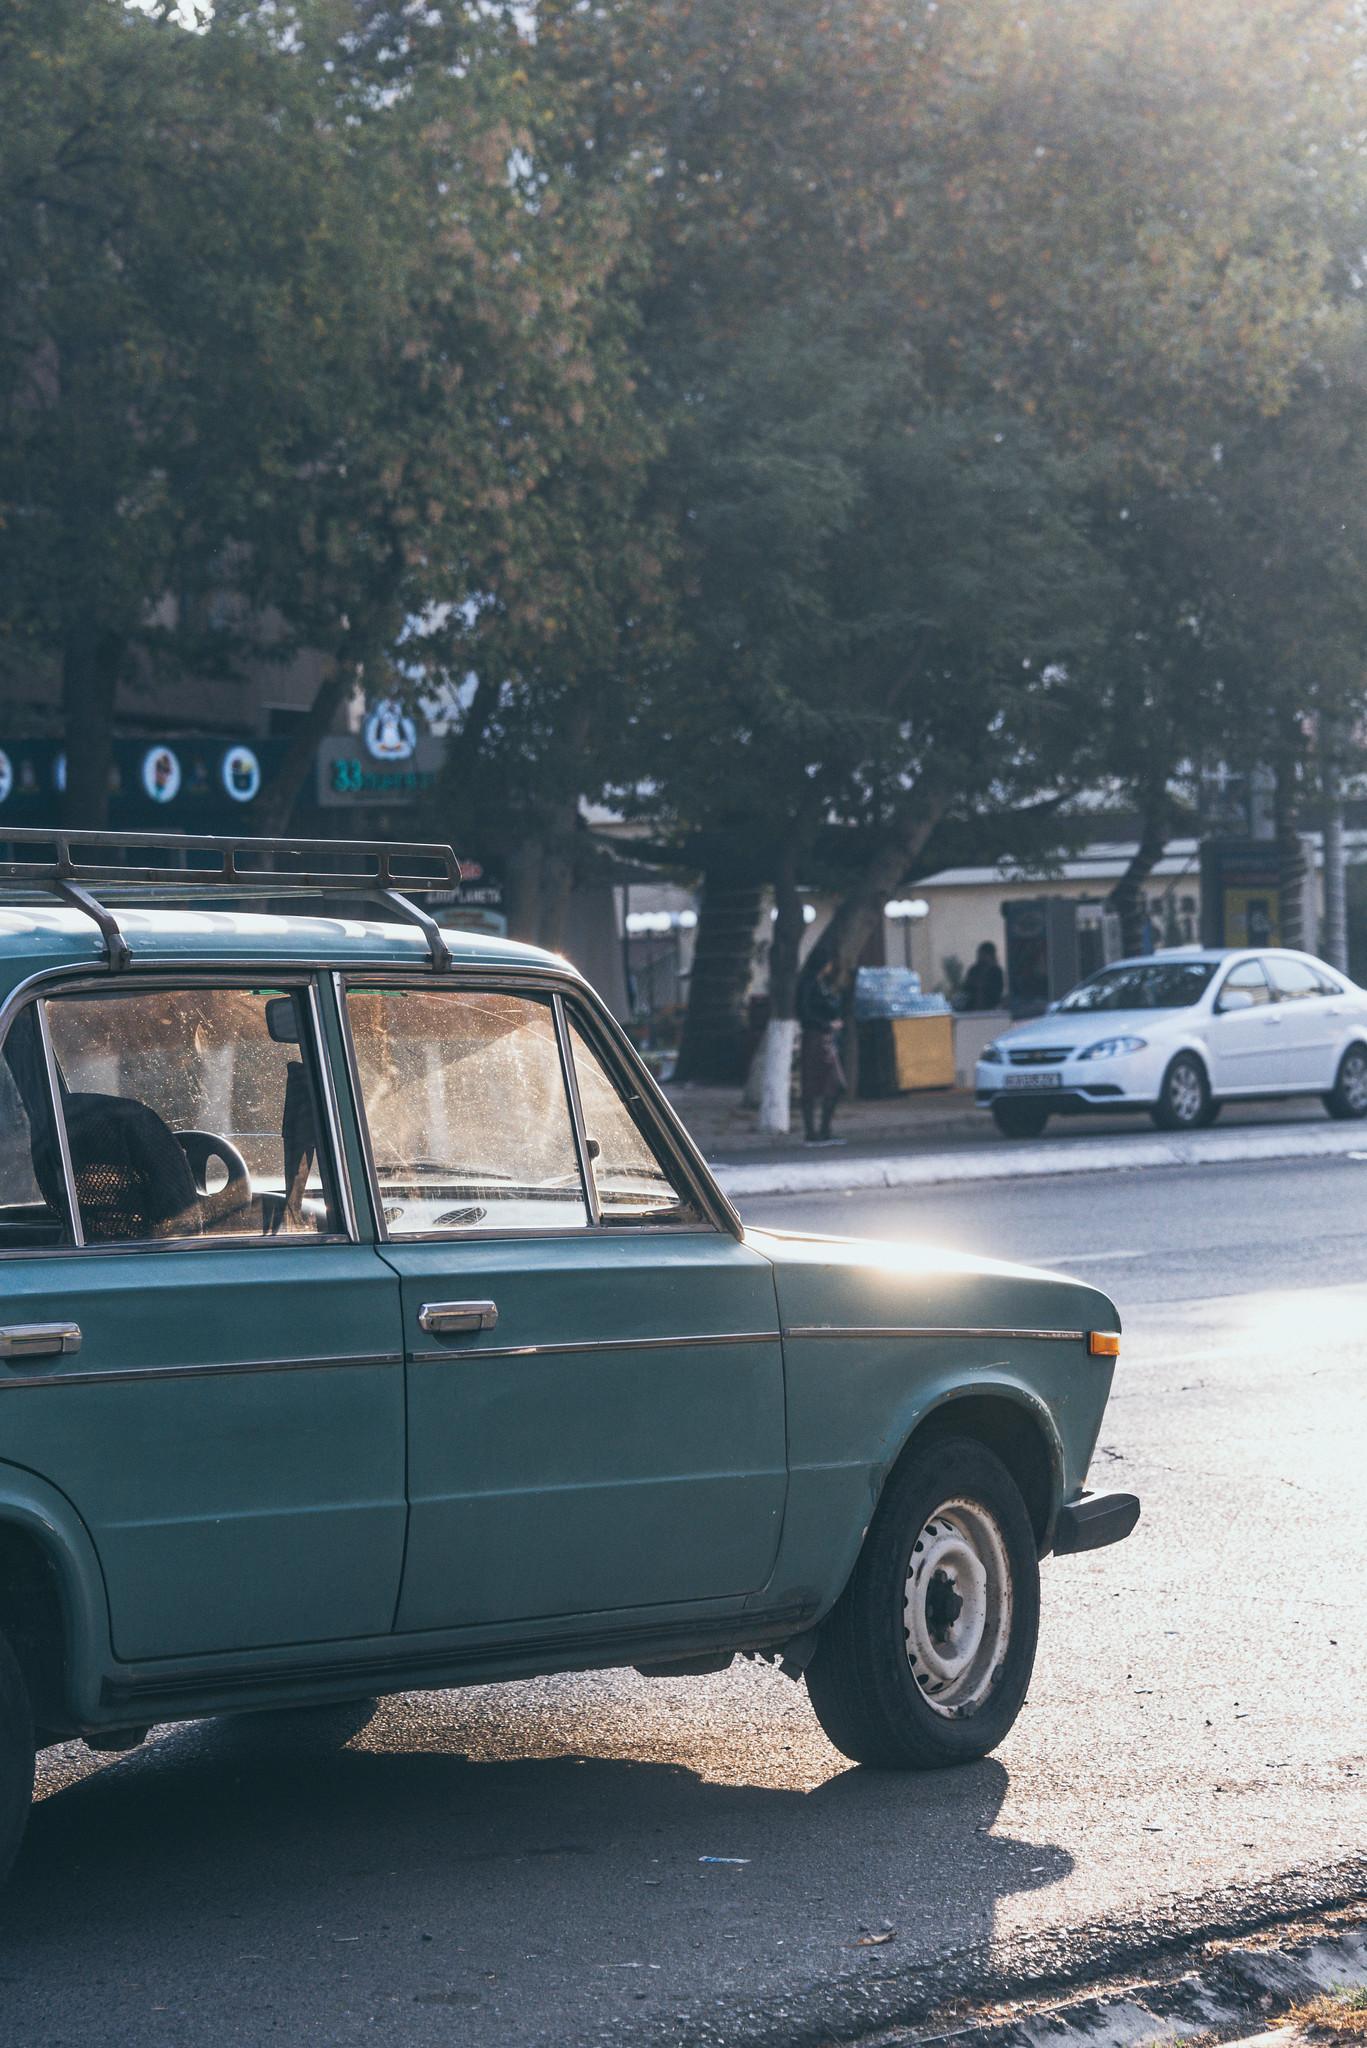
(1293, 980)
(33, 1209)
(191, 1113)
(1248, 976)
(632, 1182)
(467, 1111)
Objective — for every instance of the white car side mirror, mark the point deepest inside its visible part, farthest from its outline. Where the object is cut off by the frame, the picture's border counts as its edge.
(1235, 999)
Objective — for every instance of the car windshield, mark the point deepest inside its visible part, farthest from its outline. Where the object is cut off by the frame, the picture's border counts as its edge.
(1148, 985)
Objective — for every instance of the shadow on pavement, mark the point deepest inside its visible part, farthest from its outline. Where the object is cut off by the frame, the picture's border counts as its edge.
(230, 1876)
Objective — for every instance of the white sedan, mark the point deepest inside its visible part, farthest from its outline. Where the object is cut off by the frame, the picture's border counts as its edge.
(1179, 1035)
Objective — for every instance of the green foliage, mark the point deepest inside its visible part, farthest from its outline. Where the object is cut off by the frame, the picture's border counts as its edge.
(841, 429)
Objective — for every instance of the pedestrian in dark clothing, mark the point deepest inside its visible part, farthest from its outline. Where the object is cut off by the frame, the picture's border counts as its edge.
(984, 983)
(823, 1077)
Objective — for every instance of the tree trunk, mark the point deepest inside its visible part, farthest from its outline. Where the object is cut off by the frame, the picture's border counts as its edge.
(522, 901)
(860, 912)
(275, 806)
(557, 878)
(91, 662)
(780, 1033)
(714, 1030)
(1127, 897)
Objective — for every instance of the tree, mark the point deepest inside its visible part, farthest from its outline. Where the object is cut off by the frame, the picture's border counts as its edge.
(168, 231)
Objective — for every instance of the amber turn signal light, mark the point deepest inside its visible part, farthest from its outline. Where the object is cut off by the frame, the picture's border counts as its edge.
(1104, 1343)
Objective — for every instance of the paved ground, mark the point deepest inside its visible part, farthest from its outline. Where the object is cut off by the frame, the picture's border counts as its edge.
(526, 1865)
(927, 1120)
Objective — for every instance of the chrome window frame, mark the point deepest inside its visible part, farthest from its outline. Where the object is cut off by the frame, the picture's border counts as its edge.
(80, 980)
(570, 995)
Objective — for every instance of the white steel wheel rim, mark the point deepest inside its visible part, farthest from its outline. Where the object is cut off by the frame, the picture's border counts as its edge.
(1184, 1092)
(956, 1608)
(1354, 1081)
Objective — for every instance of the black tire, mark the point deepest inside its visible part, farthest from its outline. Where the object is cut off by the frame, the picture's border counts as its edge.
(16, 1757)
(1184, 1099)
(1020, 1119)
(861, 1680)
(1347, 1099)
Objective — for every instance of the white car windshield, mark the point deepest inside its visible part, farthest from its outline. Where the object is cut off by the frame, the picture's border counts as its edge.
(1145, 985)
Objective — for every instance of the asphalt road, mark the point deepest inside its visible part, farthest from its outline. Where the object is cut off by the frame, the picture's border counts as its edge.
(528, 1865)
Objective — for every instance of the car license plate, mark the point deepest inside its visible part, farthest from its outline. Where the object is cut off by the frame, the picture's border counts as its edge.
(1032, 1080)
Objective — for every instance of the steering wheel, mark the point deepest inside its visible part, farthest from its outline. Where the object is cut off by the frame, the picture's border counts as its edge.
(199, 1148)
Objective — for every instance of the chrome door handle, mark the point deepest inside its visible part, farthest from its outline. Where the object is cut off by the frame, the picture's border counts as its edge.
(446, 1318)
(39, 1340)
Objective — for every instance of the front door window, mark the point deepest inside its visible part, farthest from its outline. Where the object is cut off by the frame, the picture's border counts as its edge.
(468, 1113)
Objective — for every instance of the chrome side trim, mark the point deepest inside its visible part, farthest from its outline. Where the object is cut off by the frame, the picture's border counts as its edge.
(934, 1330)
(121, 1375)
(684, 1343)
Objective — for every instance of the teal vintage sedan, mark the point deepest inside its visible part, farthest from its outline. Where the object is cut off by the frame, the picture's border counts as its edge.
(370, 1322)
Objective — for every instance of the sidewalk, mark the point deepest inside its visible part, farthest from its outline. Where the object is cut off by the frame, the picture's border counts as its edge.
(926, 1139)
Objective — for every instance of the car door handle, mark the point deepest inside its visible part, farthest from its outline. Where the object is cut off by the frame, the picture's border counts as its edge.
(446, 1318)
(39, 1340)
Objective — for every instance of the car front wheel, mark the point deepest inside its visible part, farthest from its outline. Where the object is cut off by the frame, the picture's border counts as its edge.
(16, 1756)
(925, 1658)
(1347, 1099)
(1184, 1102)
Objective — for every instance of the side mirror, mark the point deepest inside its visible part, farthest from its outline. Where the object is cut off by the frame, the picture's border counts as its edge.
(1235, 999)
(282, 1020)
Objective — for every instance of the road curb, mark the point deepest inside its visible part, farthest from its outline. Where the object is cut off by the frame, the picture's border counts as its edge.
(1008, 1161)
(1234, 1988)
(881, 2000)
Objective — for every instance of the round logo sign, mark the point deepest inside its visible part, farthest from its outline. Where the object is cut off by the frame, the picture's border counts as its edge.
(241, 774)
(389, 733)
(6, 776)
(160, 774)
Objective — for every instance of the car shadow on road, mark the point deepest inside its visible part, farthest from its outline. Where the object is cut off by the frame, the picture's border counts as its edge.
(225, 1871)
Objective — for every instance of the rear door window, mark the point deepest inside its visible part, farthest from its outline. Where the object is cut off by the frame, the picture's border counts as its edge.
(32, 1186)
(1294, 980)
(192, 1113)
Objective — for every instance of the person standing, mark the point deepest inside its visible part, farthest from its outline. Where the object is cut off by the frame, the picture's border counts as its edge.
(823, 1076)
(984, 983)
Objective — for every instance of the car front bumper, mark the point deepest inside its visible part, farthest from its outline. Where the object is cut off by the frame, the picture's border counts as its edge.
(1094, 1521)
(1131, 1081)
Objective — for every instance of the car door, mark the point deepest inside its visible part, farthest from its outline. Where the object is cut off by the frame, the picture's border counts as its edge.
(1308, 1041)
(1243, 1036)
(196, 1348)
(595, 1377)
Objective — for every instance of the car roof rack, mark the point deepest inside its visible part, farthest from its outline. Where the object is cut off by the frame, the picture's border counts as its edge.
(78, 864)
